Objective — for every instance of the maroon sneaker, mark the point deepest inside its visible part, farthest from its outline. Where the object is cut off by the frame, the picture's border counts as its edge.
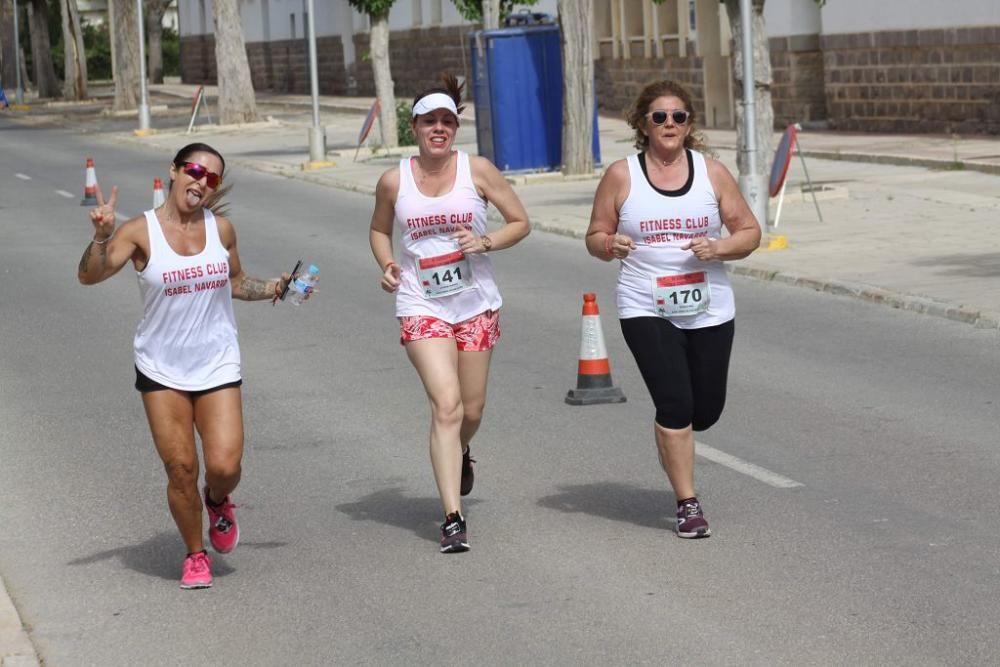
(454, 535)
(691, 520)
(468, 474)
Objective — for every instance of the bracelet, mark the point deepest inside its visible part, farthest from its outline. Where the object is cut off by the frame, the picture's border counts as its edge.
(96, 242)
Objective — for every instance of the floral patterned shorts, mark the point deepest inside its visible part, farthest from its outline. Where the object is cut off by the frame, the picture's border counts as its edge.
(475, 334)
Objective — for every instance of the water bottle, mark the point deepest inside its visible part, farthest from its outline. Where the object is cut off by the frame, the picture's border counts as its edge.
(303, 285)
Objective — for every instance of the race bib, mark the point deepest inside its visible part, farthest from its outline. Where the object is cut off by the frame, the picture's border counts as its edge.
(444, 274)
(681, 295)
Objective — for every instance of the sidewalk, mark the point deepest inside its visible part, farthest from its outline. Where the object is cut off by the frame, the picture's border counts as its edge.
(909, 221)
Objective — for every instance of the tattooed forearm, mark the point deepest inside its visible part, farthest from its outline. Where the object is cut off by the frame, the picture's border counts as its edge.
(253, 289)
(102, 253)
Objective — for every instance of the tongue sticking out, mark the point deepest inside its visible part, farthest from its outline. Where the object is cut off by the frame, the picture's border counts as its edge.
(193, 198)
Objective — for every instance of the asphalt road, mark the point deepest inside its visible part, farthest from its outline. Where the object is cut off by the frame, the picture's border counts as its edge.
(885, 552)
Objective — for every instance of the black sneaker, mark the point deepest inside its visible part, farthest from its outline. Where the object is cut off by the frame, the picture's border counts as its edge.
(468, 474)
(691, 521)
(454, 538)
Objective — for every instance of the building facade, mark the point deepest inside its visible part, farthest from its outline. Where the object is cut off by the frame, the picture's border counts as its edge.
(850, 63)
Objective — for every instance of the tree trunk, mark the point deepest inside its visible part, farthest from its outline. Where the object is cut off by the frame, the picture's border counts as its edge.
(763, 110)
(155, 10)
(384, 87)
(237, 101)
(41, 50)
(125, 56)
(491, 14)
(577, 21)
(74, 56)
(8, 72)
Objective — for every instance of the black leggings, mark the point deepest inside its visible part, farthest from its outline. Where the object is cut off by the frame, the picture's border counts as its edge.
(685, 370)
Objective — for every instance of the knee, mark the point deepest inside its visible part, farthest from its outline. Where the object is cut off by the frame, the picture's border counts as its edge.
(448, 412)
(182, 474)
(472, 412)
(223, 469)
(705, 419)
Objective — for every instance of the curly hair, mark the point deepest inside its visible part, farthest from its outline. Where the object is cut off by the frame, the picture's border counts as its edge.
(450, 87)
(636, 116)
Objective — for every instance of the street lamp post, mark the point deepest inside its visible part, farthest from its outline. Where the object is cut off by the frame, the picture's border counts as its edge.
(143, 92)
(752, 184)
(317, 134)
(19, 97)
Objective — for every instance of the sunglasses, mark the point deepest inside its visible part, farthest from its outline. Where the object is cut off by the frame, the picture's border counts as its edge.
(198, 172)
(679, 116)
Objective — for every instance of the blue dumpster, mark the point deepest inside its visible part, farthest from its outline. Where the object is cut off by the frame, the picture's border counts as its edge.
(517, 86)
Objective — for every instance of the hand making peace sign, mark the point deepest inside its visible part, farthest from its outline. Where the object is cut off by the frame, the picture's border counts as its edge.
(103, 216)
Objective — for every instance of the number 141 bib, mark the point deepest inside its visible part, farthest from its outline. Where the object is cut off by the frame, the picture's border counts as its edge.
(444, 274)
(681, 295)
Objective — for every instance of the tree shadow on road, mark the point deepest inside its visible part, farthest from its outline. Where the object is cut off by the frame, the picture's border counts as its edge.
(391, 507)
(981, 265)
(647, 508)
(161, 556)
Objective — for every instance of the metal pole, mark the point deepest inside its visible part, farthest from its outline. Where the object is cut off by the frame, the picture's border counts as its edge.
(19, 96)
(753, 184)
(317, 135)
(143, 92)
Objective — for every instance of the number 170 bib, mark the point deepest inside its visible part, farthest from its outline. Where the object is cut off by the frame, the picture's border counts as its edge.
(444, 274)
(681, 295)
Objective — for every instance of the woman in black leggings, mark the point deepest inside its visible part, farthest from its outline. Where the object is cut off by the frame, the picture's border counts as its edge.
(662, 212)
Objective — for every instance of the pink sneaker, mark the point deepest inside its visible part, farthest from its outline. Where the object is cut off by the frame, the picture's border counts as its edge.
(197, 571)
(223, 532)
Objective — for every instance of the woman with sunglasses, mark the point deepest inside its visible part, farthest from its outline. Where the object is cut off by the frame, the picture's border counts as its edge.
(447, 299)
(187, 357)
(661, 213)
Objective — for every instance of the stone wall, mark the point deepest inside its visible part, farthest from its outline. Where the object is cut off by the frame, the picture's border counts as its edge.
(618, 82)
(935, 81)
(797, 92)
(417, 57)
(198, 59)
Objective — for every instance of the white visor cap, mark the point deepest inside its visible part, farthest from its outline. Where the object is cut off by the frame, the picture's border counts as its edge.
(429, 103)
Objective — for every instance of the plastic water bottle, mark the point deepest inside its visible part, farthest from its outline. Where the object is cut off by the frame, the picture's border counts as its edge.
(303, 285)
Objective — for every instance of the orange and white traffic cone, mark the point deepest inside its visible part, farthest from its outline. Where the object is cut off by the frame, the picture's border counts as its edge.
(90, 185)
(158, 197)
(593, 378)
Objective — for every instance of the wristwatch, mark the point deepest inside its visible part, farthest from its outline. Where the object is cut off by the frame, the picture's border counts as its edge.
(487, 242)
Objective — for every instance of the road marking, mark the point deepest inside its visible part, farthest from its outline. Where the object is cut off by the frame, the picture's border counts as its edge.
(121, 216)
(67, 195)
(745, 467)
(23, 177)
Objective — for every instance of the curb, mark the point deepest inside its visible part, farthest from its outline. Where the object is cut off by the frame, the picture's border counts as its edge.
(981, 319)
(16, 649)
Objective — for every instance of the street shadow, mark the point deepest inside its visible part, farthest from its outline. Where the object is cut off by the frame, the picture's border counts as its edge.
(161, 556)
(391, 507)
(647, 508)
(983, 265)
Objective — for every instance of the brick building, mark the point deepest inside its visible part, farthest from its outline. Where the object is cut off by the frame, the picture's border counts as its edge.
(854, 64)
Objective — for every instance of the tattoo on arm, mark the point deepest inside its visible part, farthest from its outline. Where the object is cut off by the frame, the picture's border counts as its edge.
(253, 289)
(85, 260)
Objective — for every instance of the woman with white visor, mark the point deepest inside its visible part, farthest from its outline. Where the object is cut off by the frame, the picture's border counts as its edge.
(447, 299)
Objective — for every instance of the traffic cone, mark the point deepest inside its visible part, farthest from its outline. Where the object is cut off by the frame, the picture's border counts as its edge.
(158, 197)
(90, 186)
(593, 378)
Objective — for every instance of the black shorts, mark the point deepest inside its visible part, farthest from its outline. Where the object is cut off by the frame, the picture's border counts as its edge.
(685, 370)
(144, 384)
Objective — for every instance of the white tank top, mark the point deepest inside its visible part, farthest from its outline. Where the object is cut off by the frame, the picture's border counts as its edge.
(187, 337)
(437, 279)
(658, 278)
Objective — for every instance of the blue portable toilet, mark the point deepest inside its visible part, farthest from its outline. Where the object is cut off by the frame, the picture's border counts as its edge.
(517, 87)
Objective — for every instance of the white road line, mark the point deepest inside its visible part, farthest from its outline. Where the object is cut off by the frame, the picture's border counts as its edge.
(121, 216)
(67, 195)
(23, 177)
(745, 467)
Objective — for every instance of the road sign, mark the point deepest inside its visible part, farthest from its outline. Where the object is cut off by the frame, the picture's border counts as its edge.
(782, 158)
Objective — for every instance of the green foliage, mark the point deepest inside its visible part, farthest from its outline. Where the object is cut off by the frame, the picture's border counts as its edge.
(171, 43)
(404, 115)
(472, 10)
(97, 45)
(373, 8)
